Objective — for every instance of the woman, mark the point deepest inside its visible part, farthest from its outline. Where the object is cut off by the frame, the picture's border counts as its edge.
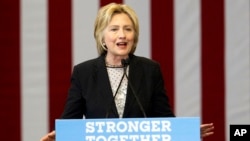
(118, 84)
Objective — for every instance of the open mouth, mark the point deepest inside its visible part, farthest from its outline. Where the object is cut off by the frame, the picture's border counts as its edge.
(122, 44)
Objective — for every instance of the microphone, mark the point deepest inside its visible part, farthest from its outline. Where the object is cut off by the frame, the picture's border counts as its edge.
(125, 63)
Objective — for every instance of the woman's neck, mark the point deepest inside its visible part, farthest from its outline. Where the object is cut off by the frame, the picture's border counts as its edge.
(114, 61)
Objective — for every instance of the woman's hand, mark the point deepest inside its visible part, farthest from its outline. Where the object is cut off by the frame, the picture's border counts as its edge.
(49, 137)
(207, 130)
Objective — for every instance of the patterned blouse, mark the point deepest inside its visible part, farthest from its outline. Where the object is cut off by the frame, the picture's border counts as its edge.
(116, 76)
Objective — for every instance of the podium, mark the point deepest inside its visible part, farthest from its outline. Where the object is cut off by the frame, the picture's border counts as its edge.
(129, 129)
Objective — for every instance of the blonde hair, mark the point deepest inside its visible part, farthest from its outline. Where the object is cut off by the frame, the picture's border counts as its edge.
(103, 18)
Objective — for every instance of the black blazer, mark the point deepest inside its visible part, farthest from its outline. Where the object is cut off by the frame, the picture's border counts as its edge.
(90, 92)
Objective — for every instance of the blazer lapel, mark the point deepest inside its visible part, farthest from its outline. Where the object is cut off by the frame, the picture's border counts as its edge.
(105, 87)
(135, 80)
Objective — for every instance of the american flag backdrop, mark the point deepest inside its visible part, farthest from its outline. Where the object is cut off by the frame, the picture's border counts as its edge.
(203, 47)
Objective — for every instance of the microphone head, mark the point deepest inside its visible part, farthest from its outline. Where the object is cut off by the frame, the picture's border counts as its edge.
(125, 62)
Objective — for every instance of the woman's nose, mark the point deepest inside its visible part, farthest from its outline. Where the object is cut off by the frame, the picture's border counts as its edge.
(121, 34)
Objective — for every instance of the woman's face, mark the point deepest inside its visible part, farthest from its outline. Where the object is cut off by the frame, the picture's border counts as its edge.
(119, 36)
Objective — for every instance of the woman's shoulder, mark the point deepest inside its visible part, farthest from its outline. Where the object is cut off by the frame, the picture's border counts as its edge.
(144, 61)
(89, 64)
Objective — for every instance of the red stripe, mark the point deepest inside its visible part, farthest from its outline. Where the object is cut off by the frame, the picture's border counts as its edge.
(59, 56)
(104, 2)
(162, 43)
(213, 77)
(10, 91)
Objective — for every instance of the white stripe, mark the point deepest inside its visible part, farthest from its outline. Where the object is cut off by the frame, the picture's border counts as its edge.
(34, 89)
(84, 45)
(237, 62)
(142, 9)
(187, 58)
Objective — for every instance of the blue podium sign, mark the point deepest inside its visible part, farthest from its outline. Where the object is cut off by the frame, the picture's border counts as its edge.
(129, 129)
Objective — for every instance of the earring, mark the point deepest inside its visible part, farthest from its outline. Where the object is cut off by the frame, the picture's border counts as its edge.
(104, 46)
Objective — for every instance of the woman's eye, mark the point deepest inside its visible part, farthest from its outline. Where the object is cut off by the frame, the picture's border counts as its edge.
(128, 29)
(113, 29)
